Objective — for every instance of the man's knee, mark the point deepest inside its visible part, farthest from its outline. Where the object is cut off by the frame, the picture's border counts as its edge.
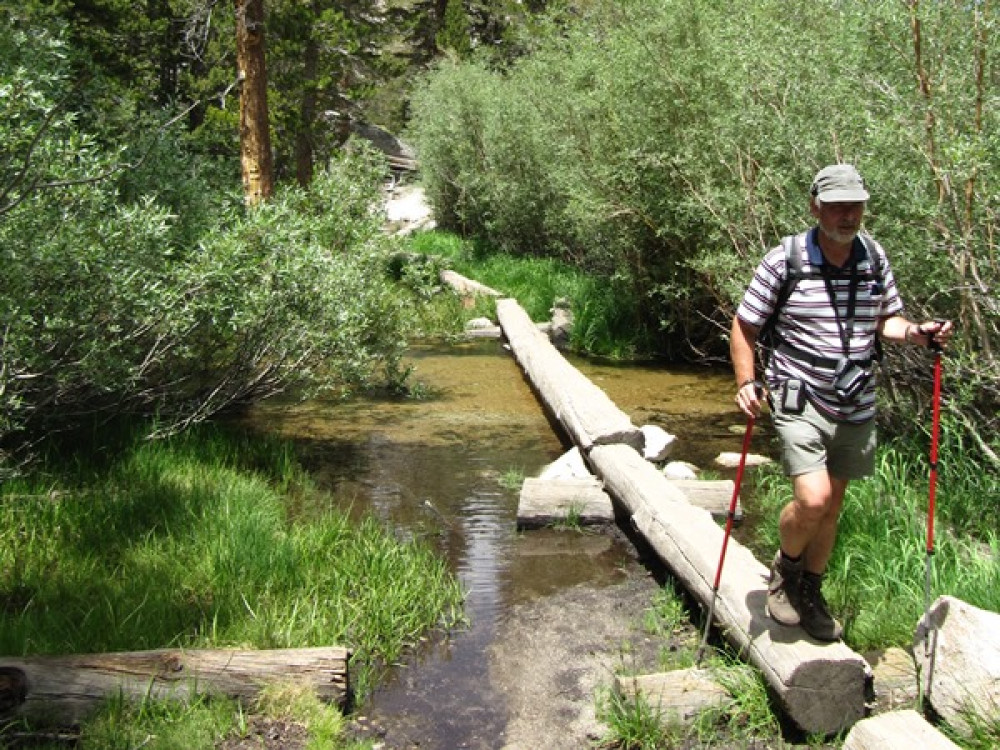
(812, 510)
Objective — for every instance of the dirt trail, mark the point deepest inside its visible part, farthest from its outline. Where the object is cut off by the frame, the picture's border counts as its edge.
(555, 657)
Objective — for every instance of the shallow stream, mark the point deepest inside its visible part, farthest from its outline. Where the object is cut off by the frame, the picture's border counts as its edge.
(433, 468)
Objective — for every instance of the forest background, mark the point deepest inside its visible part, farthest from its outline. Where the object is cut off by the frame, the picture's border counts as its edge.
(660, 146)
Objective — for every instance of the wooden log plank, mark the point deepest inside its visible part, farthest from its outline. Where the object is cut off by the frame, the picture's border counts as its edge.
(585, 412)
(714, 495)
(490, 332)
(62, 690)
(897, 730)
(544, 502)
(466, 286)
(822, 686)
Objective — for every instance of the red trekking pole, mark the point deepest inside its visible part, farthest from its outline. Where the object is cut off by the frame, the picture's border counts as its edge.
(935, 428)
(725, 539)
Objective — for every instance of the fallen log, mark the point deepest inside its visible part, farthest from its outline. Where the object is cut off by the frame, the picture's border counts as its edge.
(63, 690)
(465, 286)
(822, 686)
(584, 411)
(714, 495)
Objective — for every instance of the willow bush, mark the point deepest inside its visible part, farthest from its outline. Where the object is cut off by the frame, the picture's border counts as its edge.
(664, 145)
(133, 282)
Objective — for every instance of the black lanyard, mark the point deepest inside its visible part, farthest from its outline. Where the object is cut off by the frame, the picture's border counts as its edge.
(845, 330)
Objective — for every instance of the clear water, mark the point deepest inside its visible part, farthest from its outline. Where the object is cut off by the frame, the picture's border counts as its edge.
(432, 468)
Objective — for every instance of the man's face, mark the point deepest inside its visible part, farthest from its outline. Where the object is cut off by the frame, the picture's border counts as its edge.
(841, 222)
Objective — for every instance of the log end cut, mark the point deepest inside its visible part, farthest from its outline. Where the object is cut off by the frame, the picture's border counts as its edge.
(827, 696)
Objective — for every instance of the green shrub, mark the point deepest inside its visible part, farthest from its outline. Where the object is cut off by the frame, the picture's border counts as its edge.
(142, 288)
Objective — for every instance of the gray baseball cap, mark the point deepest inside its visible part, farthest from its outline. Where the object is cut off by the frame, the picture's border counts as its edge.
(839, 183)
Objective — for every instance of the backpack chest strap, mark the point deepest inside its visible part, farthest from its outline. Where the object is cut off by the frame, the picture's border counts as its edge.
(814, 360)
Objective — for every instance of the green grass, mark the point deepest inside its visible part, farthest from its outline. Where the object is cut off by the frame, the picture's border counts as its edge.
(875, 580)
(747, 719)
(512, 479)
(634, 724)
(207, 541)
(204, 722)
(605, 317)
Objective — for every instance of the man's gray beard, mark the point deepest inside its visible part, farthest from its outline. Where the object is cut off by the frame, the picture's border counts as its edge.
(839, 237)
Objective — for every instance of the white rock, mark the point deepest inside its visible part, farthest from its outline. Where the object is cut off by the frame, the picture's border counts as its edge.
(960, 668)
(568, 466)
(658, 442)
(680, 470)
(478, 324)
(897, 730)
(732, 460)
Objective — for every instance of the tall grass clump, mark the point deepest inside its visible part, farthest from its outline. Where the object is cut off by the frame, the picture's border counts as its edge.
(177, 544)
(875, 579)
(636, 724)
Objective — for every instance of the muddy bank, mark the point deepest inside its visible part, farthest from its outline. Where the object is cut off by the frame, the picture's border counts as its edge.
(550, 657)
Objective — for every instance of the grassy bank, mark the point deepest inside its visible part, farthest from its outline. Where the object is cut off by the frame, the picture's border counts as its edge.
(205, 540)
(876, 576)
(604, 315)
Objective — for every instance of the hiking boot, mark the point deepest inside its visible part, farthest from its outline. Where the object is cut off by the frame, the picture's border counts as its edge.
(783, 591)
(815, 618)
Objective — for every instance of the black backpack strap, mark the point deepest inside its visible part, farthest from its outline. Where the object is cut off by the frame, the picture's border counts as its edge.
(875, 261)
(767, 336)
(793, 272)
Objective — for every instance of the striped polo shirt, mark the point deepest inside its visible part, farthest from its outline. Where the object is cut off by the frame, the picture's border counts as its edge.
(808, 323)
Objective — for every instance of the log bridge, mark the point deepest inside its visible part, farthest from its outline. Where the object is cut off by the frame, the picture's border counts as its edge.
(822, 686)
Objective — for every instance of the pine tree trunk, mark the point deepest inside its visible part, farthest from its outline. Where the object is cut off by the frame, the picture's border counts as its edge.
(255, 138)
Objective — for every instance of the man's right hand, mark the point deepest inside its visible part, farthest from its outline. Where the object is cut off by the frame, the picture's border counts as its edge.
(750, 397)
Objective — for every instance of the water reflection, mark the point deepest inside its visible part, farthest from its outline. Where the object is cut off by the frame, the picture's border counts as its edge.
(431, 468)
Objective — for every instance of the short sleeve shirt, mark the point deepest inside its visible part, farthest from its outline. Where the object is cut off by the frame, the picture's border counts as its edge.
(808, 321)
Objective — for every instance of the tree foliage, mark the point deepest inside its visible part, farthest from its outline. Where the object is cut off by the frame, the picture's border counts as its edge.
(140, 285)
(454, 33)
(666, 144)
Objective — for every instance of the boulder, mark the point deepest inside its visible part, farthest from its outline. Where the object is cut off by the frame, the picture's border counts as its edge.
(680, 470)
(568, 466)
(659, 443)
(958, 657)
(561, 324)
(729, 460)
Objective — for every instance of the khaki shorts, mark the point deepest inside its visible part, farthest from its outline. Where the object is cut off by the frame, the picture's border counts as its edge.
(812, 442)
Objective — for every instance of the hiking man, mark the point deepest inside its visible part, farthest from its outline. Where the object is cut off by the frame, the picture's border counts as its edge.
(823, 341)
